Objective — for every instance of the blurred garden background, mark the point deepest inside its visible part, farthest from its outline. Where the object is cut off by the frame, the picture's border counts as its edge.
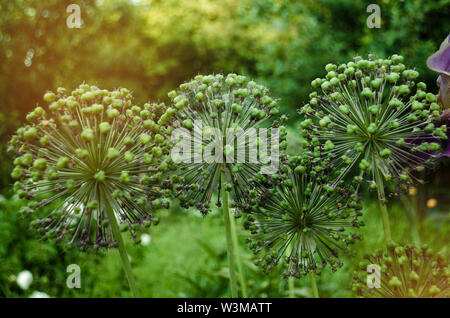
(151, 47)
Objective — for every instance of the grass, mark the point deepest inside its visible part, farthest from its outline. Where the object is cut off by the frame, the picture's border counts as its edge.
(185, 258)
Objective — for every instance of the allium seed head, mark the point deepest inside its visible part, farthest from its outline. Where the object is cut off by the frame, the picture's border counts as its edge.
(214, 110)
(304, 222)
(371, 117)
(92, 149)
(405, 272)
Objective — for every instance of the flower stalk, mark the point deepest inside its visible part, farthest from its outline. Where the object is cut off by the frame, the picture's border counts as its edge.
(291, 286)
(230, 246)
(121, 246)
(291, 281)
(315, 290)
(383, 207)
(242, 282)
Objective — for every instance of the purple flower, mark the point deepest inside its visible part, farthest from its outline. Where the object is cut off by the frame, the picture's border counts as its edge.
(445, 119)
(440, 63)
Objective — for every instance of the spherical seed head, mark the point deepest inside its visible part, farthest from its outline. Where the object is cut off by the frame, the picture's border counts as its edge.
(305, 222)
(371, 117)
(88, 152)
(405, 272)
(213, 110)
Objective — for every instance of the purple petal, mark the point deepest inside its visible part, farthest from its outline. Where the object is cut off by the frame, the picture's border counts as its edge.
(440, 61)
(443, 82)
(445, 118)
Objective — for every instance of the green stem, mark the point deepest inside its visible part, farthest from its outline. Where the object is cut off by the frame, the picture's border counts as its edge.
(122, 250)
(421, 199)
(386, 224)
(383, 208)
(412, 218)
(230, 249)
(416, 231)
(291, 287)
(290, 279)
(312, 277)
(238, 258)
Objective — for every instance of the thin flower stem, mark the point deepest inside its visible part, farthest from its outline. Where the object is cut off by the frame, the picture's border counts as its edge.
(291, 280)
(238, 258)
(122, 250)
(413, 220)
(383, 208)
(386, 225)
(230, 249)
(312, 277)
(416, 230)
(421, 200)
(291, 287)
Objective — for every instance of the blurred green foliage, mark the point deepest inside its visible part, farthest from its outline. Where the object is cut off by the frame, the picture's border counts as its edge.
(186, 257)
(152, 46)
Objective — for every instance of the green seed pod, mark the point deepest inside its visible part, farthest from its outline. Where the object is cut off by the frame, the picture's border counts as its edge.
(157, 152)
(87, 134)
(100, 176)
(124, 177)
(30, 133)
(128, 156)
(49, 97)
(385, 153)
(112, 153)
(62, 162)
(105, 127)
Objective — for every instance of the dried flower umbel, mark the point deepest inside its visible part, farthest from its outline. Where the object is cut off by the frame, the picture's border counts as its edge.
(405, 272)
(306, 218)
(373, 120)
(97, 161)
(372, 116)
(222, 109)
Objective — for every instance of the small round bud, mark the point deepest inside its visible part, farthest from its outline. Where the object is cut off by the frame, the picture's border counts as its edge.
(87, 134)
(49, 97)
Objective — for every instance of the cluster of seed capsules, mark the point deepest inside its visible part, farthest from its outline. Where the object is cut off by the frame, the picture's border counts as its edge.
(404, 272)
(223, 117)
(93, 147)
(371, 117)
(303, 220)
